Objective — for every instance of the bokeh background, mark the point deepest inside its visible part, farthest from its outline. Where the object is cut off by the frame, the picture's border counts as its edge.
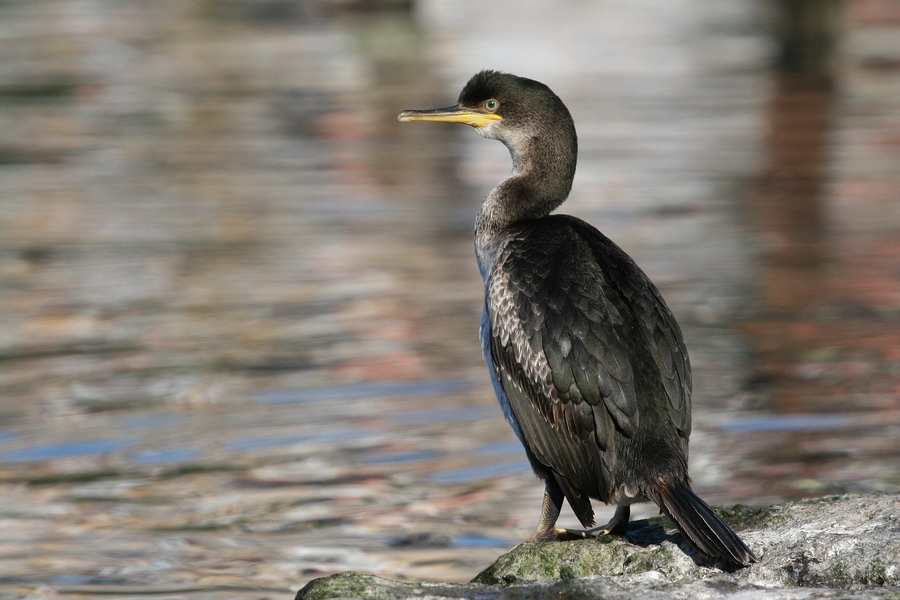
(239, 304)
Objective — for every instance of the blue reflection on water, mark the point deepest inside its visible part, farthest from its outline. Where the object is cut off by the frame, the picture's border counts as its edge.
(512, 446)
(482, 472)
(170, 455)
(87, 580)
(64, 450)
(788, 423)
(430, 415)
(262, 442)
(364, 390)
(154, 421)
(479, 541)
(386, 458)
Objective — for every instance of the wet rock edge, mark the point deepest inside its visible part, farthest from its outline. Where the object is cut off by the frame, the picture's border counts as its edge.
(832, 547)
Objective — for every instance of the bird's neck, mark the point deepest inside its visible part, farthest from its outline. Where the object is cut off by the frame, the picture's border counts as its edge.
(540, 181)
(543, 168)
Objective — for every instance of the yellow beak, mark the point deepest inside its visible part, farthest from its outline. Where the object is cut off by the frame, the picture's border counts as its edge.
(451, 114)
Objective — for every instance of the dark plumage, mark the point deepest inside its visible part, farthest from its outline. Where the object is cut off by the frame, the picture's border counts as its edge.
(588, 362)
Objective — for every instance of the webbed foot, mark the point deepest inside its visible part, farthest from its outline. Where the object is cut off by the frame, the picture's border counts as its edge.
(618, 525)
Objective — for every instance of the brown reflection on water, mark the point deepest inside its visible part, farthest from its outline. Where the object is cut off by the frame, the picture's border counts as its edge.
(788, 209)
(825, 330)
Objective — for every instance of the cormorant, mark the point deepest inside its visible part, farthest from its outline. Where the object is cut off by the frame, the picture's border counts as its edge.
(587, 361)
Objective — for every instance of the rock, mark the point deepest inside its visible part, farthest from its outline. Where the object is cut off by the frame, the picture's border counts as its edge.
(835, 547)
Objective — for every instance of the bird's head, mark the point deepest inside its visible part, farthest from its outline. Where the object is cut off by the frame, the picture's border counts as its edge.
(505, 107)
(536, 127)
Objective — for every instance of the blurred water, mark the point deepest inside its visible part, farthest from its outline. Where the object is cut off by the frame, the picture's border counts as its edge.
(240, 307)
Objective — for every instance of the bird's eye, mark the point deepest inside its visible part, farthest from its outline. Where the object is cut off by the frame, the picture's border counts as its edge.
(491, 105)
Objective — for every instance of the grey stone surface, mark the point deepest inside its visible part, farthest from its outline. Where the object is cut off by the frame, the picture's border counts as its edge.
(834, 547)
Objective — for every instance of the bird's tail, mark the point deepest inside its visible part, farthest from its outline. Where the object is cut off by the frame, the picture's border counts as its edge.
(701, 525)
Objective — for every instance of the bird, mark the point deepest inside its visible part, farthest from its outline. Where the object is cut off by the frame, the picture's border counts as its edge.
(587, 361)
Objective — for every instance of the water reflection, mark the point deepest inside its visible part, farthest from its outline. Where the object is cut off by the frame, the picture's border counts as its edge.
(166, 456)
(478, 473)
(348, 393)
(813, 326)
(789, 423)
(64, 450)
(240, 305)
(402, 457)
(441, 415)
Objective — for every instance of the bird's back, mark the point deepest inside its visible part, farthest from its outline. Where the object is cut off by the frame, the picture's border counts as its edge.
(589, 360)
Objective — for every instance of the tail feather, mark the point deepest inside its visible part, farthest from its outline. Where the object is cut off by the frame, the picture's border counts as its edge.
(701, 524)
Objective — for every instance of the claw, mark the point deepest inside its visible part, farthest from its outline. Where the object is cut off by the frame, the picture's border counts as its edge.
(618, 525)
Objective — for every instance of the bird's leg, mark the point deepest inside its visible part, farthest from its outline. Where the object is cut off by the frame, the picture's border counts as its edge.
(618, 525)
(553, 499)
